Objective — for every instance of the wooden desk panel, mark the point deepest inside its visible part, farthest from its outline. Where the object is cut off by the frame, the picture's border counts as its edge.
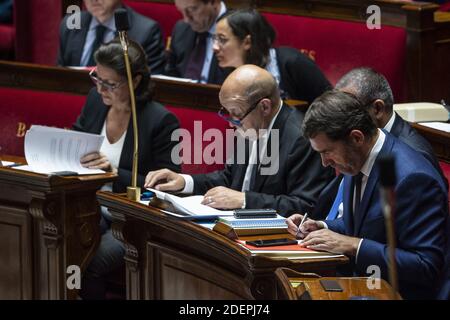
(46, 224)
(168, 258)
(439, 140)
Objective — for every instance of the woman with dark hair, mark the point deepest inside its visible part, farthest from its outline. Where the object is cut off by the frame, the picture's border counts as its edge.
(108, 112)
(245, 37)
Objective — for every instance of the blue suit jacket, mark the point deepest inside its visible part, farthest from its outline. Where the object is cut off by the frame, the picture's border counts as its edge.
(420, 222)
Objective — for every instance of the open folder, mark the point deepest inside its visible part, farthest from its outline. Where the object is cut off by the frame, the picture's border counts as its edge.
(190, 207)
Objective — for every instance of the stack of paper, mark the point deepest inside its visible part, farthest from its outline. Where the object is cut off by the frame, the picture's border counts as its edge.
(49, 150)
(191, 205)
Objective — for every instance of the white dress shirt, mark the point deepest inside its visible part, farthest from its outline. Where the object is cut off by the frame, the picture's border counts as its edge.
(189, 181)
(112, 151)
(366, 169)
(90, 37)
(209, 47)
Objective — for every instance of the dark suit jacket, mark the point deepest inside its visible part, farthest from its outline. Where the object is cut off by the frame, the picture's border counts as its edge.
(142, 30)
(155, 127)
(403, 130)
(296, 185)
(420, 222)
(300, 77)
(181, 45)
(400, 129)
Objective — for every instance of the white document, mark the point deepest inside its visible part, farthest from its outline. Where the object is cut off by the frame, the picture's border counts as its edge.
(437, 125)
(190, 205)
(49, 149)
(164, 77)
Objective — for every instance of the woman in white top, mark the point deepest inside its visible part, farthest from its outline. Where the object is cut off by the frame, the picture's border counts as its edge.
(108, 111)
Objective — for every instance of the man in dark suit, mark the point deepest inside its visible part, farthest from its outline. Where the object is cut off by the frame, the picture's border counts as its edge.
(374, 92)
(191, 54)
(77, 46)
(341, 130)
(289, 181)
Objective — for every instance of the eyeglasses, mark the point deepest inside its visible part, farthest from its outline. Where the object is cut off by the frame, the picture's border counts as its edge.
(221, 41)
(224, 114)
(104, 84)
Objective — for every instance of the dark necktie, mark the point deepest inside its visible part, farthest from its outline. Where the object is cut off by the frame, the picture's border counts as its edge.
(99, 35)
(197, 57)
(358, 182)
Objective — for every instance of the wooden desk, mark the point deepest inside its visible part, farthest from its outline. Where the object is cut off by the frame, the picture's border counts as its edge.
(439, 140)
(57, 79)
(167, 258)
(297, 286)
(46, 224)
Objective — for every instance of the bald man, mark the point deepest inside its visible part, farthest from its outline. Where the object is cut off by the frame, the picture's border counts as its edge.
(288, 180)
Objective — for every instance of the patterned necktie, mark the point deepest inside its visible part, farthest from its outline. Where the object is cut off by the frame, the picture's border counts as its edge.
(197, 58)
(99, 35)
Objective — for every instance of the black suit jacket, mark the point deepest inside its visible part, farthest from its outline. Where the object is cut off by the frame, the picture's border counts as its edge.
(296, 185)
(155, 127)
(301, 79)
(404, 132)
(181, 45)
(143, 30)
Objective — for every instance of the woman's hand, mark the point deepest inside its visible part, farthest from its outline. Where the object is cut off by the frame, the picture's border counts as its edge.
(97, 160)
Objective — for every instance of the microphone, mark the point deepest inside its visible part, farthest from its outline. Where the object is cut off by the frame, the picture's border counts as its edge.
(121, 19)
(387, 194)
(122, 25)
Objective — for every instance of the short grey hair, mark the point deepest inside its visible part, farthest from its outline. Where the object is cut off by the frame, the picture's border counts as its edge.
(368, 86)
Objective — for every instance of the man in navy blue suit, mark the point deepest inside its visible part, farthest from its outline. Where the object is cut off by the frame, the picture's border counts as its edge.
(372, 90)
(342, 131)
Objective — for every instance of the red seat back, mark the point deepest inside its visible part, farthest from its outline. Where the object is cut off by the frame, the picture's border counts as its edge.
(339, 46)
(165, 13)
(22, 108)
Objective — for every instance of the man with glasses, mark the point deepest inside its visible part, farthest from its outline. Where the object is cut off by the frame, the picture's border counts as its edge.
(191, 46)
(252, 105)
(97, 26)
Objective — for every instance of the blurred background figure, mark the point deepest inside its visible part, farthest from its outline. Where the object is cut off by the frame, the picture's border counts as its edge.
(77, 46)
(245, 37)
(190, 54)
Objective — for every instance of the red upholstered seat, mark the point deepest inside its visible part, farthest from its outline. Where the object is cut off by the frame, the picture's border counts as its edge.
(209, 120)
(339, 46)
(26, 107)
(165, 13)
(37, 30)
(446, 170)
(22, 108)
(7, 34)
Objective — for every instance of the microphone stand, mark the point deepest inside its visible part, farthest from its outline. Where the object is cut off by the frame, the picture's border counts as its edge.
(133, 191)
(387, 179)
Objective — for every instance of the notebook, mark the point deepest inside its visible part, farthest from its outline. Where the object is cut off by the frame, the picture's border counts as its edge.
(278, 222)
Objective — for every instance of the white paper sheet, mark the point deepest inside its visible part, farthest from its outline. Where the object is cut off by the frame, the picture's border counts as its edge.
(190, 205)
(50, 150)
(437, 125)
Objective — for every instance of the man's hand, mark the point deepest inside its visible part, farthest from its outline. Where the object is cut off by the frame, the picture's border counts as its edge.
(307, 227)
(97, 160)
(164, 180)
(327, 240)
(224, 198)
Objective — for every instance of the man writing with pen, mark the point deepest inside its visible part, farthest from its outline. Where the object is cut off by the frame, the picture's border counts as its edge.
(341, 130)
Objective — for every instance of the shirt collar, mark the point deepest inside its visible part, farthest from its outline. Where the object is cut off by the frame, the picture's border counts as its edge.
(390, 123)
(267, 132)
(368, 165)
(110, 23)
(223, 9)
